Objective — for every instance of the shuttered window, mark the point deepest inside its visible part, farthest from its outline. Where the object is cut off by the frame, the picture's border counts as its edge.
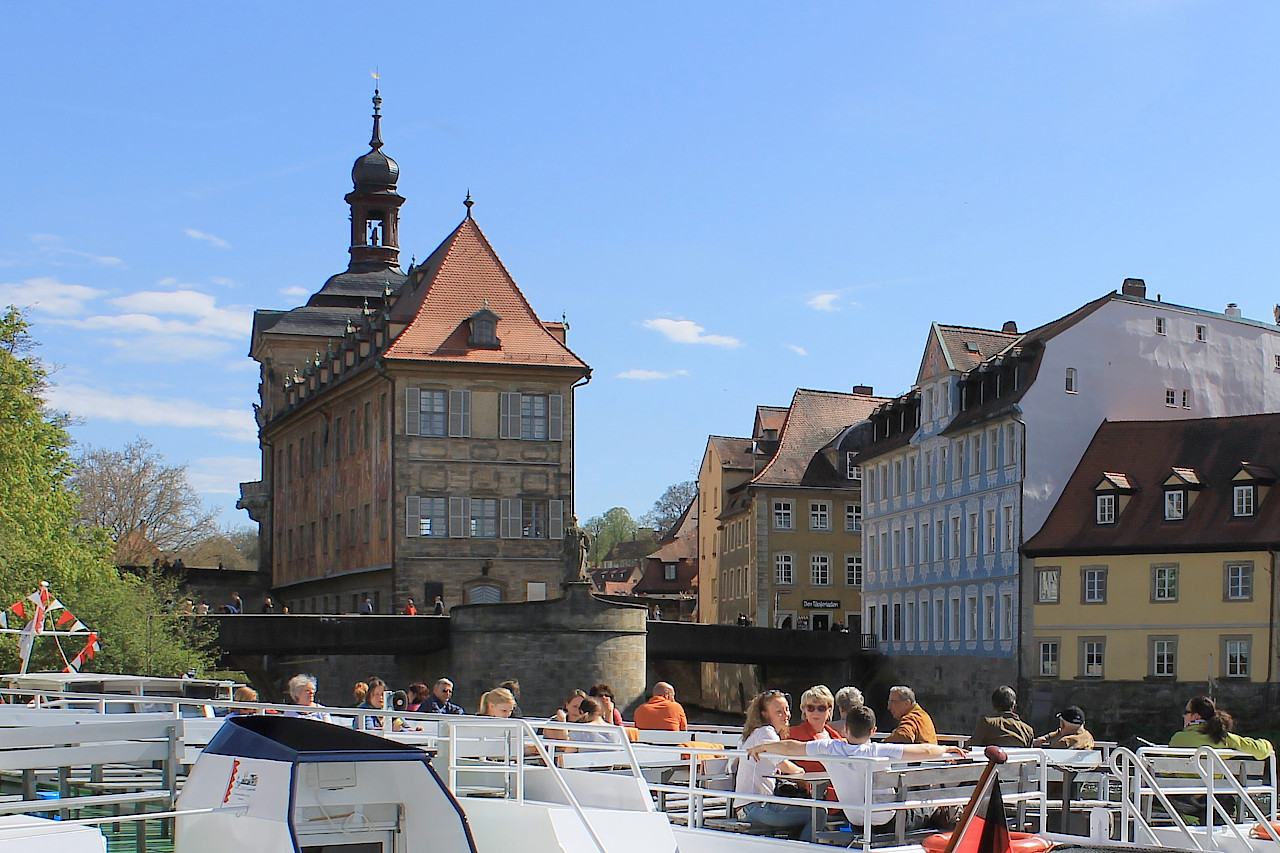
(532, 417)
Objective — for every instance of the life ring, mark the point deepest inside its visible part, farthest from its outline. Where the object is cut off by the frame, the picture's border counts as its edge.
(1019, 842)
(1260, 830)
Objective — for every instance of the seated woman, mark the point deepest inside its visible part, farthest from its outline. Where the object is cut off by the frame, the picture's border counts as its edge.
(302, 690)
(768, 720)
(1205, 725)
(376, 699)
(603, 694)
(817, 704)
(244, 693)
(592, 714)
(571, 712)
(498, 702)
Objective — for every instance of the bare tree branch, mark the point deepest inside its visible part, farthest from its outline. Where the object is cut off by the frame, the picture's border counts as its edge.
(148, 507)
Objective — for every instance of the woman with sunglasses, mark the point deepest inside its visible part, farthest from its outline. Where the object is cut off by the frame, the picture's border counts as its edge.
(817, 704)
(603, 694)
(768, 720)
(1205, 725)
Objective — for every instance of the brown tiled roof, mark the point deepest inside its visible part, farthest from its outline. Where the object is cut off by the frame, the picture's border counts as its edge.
(769, 417)
(734, 453)
(1032, 344)
(967, 347)
(462, 276)
(814, 418)
(1147, 450)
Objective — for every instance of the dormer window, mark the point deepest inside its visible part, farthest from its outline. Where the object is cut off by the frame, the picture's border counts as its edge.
(1180, 490)
(1244, 500)
(1106, 506)
(1249, 487)
(483, 330)
(1111, 494)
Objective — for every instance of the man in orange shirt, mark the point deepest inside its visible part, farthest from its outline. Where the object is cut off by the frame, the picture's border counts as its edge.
(914, 723)
(662, 711)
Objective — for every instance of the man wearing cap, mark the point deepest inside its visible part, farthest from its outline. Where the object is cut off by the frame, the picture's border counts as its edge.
(1071, 733)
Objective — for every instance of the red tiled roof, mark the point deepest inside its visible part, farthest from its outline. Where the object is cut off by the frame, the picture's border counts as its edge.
(814, 418)
(1216, 448)
(462, 276)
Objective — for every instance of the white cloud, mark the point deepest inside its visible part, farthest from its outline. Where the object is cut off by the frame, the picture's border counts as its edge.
(638, 373)
(689, 332)
(797, 350)
(295, 291)
(51, 244)
(202, 308)
(167, 281)
(89, 402)
(824, 302)
(48, 296)
(208, 238)
(221, 281)
(222, 475)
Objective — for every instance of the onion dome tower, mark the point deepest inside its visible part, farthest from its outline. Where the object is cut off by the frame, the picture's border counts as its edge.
(375, 228)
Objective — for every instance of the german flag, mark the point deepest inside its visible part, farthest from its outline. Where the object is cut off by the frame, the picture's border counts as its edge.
(983, 827)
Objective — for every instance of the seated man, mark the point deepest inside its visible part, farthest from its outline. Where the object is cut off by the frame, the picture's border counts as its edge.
(662, 712)
(439, 700)
(914, 723)
(850, 780)
(1005, 727)
(1071, 733)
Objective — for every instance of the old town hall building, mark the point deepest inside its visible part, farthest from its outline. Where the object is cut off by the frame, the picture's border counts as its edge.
(416, 427)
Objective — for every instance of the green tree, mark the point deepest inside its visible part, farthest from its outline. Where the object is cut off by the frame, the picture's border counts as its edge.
(40, 539)
(609, 529)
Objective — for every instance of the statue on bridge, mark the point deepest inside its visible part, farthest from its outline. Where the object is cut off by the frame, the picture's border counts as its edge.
(577, 544)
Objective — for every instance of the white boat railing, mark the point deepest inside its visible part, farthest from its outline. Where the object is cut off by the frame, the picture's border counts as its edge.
(1161, 775)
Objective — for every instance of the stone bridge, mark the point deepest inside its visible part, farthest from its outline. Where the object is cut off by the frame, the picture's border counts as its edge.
(249, 635)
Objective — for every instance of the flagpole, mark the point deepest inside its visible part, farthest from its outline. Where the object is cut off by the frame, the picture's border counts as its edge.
(995, 755)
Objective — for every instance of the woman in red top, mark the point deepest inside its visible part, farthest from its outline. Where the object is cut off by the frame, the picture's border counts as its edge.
(816, 704)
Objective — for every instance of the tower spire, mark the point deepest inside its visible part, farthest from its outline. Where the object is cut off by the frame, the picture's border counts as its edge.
(375, 142)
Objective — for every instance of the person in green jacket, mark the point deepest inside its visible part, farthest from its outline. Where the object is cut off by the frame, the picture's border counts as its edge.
(1205, 725)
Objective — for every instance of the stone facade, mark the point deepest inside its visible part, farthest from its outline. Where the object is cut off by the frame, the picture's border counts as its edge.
(551, 647)
(416, 426)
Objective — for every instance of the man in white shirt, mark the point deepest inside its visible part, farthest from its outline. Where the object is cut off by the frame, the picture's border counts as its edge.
(850, 779)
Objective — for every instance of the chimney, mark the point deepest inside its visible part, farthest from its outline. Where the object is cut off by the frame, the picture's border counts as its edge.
(1134, 287)
(1233, 310)
(1010, 327)
(864, 390)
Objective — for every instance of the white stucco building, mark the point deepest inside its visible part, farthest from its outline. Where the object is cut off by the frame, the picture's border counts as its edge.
(966, 466)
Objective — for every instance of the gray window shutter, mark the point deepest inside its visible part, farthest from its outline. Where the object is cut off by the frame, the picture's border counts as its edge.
(459, 517)
(510, 527)
(460, 413)
(412, 411)
(510, 415)
(413, 516)
(555, 417)
(555, 518)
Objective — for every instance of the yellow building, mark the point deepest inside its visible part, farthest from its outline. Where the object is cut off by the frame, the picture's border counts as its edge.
(1158, 562)
(781, 517)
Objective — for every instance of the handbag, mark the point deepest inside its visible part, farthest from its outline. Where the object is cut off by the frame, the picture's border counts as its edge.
(786, 788)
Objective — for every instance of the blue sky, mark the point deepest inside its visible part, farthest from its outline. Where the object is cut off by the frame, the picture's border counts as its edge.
(727, 200)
